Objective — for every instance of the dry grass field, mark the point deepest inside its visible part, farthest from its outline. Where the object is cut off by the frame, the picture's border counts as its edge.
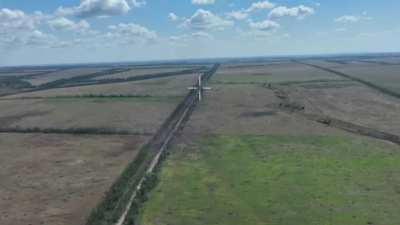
(57, 179)
(172, 86)
(249, 154)
(143, 71)
(355, 103)
(56, 164)
(243, 159)
(64, 74)
(271, 73)
(138, 115)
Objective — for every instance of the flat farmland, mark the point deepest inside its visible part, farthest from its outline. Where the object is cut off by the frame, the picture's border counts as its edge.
(244, 159)
(387, 76)
(58, 179)
(383, 73)
(137, 115)
(62, 148)
(277, 180)
(172, 86)
(248, 110)
(270, 73)
(143, 71)
(63, 74)
(354, 103)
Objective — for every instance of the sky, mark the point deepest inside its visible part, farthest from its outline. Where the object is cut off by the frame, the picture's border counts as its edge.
(82, 31)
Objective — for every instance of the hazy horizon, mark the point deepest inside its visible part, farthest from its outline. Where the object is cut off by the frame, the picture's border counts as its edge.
(93, 31)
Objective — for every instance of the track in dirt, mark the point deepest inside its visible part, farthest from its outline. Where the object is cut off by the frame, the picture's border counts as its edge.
(366, 83)
(120, 200)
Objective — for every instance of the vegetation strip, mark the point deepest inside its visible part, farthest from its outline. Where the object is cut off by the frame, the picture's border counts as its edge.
(122, 193)
(295, 107)
(85, 80)
(367, 83)
(353, 128)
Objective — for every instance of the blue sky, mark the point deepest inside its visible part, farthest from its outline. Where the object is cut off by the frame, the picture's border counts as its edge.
(79, 31)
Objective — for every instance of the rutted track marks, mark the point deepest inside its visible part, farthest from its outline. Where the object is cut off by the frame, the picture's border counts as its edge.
(121, 199)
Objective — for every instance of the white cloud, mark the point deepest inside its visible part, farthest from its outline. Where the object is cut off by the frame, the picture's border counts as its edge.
(138, 3)
(185, 38)
(34, 38)
(63, 23)
(300, 12)
(90, 8)
(206, 20)
(11, 20)
(202, 35)
(38, 38)
(203, 2)
(260, 5)
(131, 33)
(173, 17)
(265, 25)
(352, 19)
(244, 13)
(237, 15)
(18, 28)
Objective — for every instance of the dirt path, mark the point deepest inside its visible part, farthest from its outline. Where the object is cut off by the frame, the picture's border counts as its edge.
(115, 208)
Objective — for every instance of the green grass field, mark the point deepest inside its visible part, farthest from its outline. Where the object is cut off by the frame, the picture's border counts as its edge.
(251, 180)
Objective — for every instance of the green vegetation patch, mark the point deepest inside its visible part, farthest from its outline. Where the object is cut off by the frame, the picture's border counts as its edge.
(278, 180)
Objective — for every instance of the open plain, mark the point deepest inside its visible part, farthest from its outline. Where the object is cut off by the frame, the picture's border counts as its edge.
(65, 140)
(275, 141)
(264, 147)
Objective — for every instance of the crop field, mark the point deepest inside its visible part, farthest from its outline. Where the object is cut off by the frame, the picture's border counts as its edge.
(278, 180)
(173, 86)
(252, 154)
(275, 141)
(57, 179)
(271, 73)
(351, 102)
(137, 115)
(64, 74)
(62, 149)
(143, 71)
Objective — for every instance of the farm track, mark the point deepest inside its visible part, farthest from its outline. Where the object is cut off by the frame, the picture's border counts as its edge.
(366, 83)
(121, 200)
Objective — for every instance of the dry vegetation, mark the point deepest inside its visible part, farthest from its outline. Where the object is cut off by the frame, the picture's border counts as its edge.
(271, 73)
(58, 179)
(64, 74)
(173, 86)
(143, 71)
(244, 159)
(56, 161)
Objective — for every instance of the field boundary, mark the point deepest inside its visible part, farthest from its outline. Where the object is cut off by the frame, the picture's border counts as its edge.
(289, 106)
(86, 80)
(366, 83)
(118, 201)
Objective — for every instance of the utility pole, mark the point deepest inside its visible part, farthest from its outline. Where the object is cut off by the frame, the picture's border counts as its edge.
(200, 88)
